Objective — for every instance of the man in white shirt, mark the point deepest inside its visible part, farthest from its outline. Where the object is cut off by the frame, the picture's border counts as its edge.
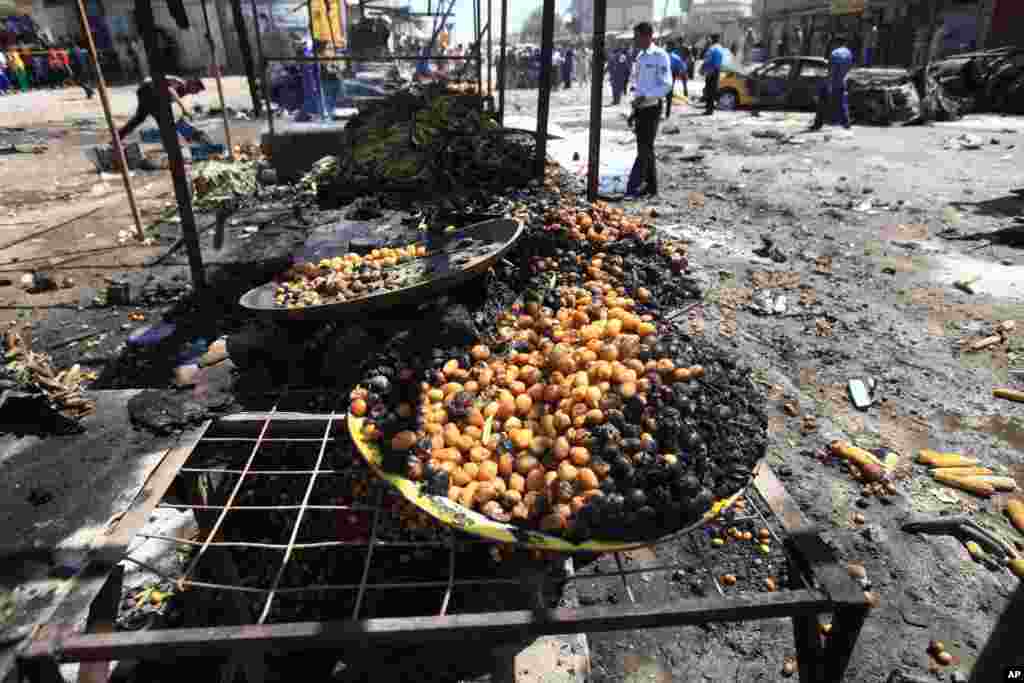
(653, 81)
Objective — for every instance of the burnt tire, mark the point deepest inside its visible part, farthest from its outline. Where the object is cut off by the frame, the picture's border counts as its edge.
(728, 100)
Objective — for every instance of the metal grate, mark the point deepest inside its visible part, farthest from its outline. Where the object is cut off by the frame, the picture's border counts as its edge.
(293, 460)
(248, 451)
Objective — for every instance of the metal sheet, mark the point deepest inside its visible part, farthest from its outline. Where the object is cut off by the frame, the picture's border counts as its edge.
(504, 233)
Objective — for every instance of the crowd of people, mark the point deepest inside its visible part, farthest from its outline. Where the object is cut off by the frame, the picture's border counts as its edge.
(24, 68)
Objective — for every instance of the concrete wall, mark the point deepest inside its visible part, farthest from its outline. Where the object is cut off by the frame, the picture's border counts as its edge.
(623, 15)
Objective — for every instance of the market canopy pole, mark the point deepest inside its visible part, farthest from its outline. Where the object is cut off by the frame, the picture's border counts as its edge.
(263, 68)
(503, 63)
(101, 85)
(169, 135)
(220, 86)
(547, 42)
(243, 46)
(490, 51)
(596, 98)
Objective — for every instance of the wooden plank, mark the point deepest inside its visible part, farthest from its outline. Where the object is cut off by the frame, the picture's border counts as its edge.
(804, 539)
(112, 545)
(808, 648)
(513, 624)
(102, 619)
(846, 625)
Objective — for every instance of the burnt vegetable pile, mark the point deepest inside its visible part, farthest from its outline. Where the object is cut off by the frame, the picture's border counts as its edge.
(583, 412)
(424, 140)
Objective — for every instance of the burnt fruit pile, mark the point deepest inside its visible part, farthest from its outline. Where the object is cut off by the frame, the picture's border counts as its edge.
(584, 414)
(347, 277)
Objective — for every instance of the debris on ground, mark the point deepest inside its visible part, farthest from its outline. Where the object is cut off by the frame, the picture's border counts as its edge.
(32, 373)
(23, 149)
(164, 412)
(999, 335)
(765, 302)
(769, 250)
(859, 394)
(967, 284)
(964, 141)
(983, 545)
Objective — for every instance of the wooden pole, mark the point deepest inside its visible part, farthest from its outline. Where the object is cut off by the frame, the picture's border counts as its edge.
(547, 41)
(596, 98)
(503, 63)
(243, 45)
(220, 86)
(933, 27)
(490, 51)
(101, 85)
(164, 116)
(263, 69)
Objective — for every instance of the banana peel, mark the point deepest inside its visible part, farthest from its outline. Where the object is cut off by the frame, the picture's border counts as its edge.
(1015, 511)
(962, 471)
(1009, 394)
(935, 459)
(975, 485)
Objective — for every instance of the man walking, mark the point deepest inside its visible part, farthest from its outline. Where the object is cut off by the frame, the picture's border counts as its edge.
(568, 64)
(618, 72)
(678, 72)
(833, 98)
(712, 70)
(653, 83)
(149, 101)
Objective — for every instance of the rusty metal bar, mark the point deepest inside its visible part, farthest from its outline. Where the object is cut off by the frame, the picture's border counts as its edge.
(268, 508)
(511, 624)
(451, 576)
(351, 586)
(625, 582)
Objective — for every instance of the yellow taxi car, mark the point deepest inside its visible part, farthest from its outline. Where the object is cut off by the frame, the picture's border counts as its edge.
(790, 82)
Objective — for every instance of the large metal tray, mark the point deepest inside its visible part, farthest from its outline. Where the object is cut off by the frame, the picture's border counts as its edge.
(502, 233)
(455, 515)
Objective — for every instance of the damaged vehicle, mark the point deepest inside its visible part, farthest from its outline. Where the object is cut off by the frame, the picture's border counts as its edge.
(783, 82)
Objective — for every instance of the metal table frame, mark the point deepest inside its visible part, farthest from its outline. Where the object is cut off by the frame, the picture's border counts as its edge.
(824, 587)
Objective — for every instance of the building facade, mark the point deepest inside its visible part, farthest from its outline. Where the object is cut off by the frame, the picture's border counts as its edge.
(889, 32)
(113, 26)
(623, 15)
(729, 18)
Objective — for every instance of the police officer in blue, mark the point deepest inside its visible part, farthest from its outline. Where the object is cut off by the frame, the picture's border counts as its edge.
(619, 69)
(833, 97)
